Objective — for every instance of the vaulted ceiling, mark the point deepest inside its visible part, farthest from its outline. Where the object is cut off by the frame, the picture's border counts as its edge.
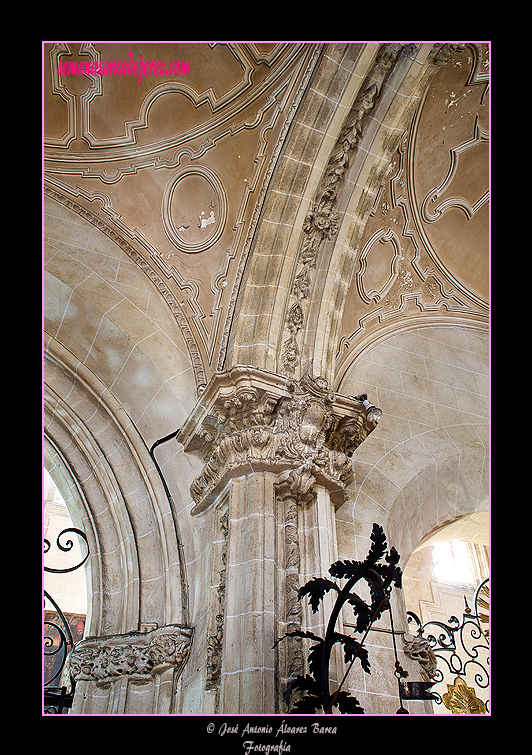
(205, 178)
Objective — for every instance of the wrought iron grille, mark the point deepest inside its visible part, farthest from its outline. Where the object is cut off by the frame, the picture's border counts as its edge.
(59, 638)
(461, 648)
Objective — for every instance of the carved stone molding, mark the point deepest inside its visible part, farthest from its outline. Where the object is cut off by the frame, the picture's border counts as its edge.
(322, 221)
(290, 654)
(135, 655)
(249, 420)
(215, 640)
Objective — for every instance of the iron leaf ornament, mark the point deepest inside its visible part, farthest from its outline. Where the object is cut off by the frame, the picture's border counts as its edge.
(381, 572)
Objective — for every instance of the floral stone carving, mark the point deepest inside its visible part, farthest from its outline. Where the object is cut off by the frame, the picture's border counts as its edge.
(250, 420)
(139, 656)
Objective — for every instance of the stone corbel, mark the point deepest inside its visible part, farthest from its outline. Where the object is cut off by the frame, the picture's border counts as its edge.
(136, 655)
(249, 420)
(419, 649)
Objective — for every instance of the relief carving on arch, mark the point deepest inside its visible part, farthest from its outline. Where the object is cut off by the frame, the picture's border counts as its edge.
(322, 221)
(215, 639)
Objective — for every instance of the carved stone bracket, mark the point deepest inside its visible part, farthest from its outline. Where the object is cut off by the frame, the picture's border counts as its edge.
(249, 420)
(136, 655)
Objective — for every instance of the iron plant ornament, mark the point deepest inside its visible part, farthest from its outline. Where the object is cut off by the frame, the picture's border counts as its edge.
(380, 577)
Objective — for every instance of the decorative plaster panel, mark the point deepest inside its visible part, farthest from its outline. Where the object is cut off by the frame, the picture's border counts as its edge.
(424, 250)
(176, 164)
(189, 189)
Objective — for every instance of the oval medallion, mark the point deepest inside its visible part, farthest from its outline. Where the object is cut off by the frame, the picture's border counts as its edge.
(194, 209)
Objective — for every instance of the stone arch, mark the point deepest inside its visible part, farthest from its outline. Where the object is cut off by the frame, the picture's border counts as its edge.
(285, 298)
(118, 377)
(428, 459)
(451, 481)
(108, 321)
(137, 573)
(262, 306)
(379, 115)
(472, 528)
(421, 484)
(426, 462)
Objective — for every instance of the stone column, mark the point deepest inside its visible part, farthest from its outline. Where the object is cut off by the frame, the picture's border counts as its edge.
(277, 459)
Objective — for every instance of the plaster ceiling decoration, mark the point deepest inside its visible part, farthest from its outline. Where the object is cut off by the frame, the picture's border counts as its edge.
(174, 166)
(424, 254)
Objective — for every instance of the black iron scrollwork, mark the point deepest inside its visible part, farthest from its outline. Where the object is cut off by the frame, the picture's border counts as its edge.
(461, 644)
(66, 548)
(58, 639)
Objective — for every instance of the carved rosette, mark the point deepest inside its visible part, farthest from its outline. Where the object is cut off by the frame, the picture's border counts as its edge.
(136, 655)
(249, 420)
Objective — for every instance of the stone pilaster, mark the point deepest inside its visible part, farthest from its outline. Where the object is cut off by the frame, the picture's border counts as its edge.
(277, 452)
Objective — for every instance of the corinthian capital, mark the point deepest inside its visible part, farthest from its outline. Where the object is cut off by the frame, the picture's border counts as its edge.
(249, 420)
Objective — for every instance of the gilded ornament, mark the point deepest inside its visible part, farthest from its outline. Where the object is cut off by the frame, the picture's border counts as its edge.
(460, 698)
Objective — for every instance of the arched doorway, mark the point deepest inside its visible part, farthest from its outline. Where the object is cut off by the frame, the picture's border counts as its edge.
(446, 590)
(426, 463)
(137, 579)
(117, 377)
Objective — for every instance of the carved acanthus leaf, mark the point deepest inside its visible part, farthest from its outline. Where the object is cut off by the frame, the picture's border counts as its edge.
(289, 426)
